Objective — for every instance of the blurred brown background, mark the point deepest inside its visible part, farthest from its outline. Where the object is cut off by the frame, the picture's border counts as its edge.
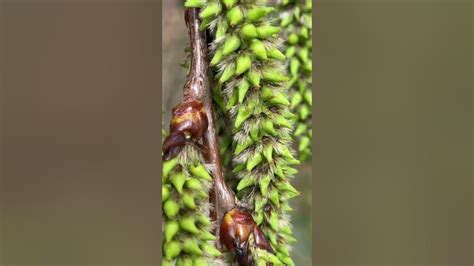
(393, 115)
(81, 133)
(81, 126)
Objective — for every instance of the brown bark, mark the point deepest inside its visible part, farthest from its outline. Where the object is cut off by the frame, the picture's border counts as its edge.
(197, 87)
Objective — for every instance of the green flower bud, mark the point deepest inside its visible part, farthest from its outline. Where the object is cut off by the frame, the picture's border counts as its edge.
(171, 208)
(286, 229)
(290, 170)
(297, 12)
(246, 182)
(200, 171)
(171, 249)
(304, 112)
(165, 193)
(274, 197)
(286, 186)
(194, 184)
(288, 195)
(254, 134)
(270, 258)
(300, 129)
(288, 114)
(267, 126)
(304, 143)
(290, 239)
(243, 63)
(188, 201)
(308, 66)
(267, 93)
(285, 152)
(203, 219)
(216, 59)
(186, 261)
(232, 101)
(211, 10)
(275, 53)
(279, 98)
(294, 66)
(303, 54)
(228, 73)
(209, 249)
(217, 97)
(191, 247)
(254, 161)
(286, 21)
(273, 75)
(169, 165)
(194, 3)
(200, 262)
(258, 48)
(187, 224)
(259, 218)
(285, 259)
(205, 23)
(264, 182)
(178, 180)
(256, 13)
(243, 145)
(249, 31)
(243, 114)
(273, 221)
(296, 99)
(235, 16)
(229, 3)
(304, 33)
(171, 229)
(254, 78)
(205, 235)
(266, 31)
(284, 250)
(231, 44)
(293, 39)
(308, 96)
(272, 238)
(281, 121)
(221, 29)
(242, 89)
(290, 51)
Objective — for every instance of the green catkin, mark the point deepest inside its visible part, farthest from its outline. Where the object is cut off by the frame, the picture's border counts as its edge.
(187, 228)
(295, 17)
(250, 71)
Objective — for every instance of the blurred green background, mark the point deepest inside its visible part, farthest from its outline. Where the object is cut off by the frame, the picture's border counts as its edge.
(175, 39)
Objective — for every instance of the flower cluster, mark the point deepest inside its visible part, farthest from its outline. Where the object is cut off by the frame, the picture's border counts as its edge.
(296, 21)
(251, 81)
(187, 230)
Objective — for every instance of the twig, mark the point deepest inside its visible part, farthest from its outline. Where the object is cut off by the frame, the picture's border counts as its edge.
(197, 87)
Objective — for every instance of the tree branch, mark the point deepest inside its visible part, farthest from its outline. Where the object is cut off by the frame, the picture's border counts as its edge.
(197, 87)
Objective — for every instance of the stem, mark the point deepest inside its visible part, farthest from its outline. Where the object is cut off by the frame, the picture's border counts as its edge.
(197, 87)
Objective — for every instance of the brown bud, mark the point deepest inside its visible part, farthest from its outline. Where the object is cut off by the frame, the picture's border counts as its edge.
(189, 117)
(236, 228)
(173, 144)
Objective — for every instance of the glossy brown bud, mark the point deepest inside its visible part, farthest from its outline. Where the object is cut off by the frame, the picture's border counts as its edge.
(235, 230)
(173, 144)
(189, 117)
